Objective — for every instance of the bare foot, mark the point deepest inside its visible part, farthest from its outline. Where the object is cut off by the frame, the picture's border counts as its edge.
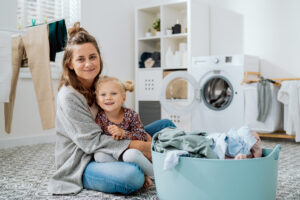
(147, 182)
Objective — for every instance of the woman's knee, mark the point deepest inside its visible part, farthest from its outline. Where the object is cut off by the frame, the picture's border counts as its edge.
(115, 177)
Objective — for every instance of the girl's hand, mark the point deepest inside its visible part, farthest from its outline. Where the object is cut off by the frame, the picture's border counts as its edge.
(116, 132)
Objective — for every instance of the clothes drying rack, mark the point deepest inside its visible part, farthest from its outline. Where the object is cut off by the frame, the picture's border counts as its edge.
(277, 81)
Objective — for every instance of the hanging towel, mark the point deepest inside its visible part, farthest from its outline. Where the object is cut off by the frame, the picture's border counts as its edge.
(264, 98)
(57, 38)
(289, 95)
(5, 66)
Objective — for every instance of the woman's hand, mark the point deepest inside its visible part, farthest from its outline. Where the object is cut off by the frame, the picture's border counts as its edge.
(149, 138)
(144, 147)
(116, 132)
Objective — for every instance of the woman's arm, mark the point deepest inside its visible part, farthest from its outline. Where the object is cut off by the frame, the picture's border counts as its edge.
(74, 121)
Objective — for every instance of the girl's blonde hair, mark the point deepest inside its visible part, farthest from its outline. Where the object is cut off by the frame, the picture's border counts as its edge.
(126, 86)
(78, 36)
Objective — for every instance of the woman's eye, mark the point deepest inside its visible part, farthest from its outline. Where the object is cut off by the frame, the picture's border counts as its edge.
(80, 59)
(93, 57)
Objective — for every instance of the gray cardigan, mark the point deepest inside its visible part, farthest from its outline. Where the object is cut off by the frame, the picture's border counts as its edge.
(77, 138)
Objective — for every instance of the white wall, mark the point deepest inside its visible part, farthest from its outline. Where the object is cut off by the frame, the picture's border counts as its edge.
(272, 32)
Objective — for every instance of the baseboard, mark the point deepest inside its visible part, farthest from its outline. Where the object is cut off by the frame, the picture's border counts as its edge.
(28, 140)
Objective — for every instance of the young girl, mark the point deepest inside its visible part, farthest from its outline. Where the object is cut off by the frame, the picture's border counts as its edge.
(120, 123)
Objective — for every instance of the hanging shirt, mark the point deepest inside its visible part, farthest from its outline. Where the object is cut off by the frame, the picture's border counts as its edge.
(57, 38)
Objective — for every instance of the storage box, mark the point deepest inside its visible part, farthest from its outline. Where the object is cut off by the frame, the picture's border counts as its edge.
(212, 179)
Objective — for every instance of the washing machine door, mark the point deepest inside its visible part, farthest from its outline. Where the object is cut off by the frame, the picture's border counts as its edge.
(217, 92)
(179, 93)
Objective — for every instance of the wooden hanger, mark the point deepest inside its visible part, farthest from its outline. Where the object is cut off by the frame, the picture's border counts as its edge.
(277, 81)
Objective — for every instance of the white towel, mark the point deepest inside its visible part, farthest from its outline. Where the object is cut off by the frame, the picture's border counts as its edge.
(289, 95)
(5, 66)
(172, 158)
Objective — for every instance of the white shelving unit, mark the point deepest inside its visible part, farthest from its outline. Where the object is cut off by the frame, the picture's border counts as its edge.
(193, 16)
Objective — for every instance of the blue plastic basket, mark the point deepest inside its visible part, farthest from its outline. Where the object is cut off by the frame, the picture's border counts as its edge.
(212, 179)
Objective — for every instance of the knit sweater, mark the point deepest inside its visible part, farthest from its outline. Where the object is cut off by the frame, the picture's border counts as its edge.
(77, 138)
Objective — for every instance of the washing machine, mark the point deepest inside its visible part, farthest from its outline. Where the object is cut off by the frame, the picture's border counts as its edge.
(210, 92)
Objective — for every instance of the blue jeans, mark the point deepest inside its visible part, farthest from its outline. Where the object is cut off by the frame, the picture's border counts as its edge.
(119, 177)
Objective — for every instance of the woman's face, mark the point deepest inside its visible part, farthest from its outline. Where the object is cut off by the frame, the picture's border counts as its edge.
(86, 63)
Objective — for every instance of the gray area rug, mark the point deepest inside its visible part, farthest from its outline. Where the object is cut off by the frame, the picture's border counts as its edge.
(25, 172)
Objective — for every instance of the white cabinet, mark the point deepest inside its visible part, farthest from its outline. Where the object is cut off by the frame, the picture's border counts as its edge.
(170, 50)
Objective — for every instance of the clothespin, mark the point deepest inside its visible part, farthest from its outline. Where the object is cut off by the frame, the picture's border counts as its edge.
(33, 21)
(19, 27)
(45, 19)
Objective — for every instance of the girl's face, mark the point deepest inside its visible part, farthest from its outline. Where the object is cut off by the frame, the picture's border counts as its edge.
(110, 97)
(86, 63)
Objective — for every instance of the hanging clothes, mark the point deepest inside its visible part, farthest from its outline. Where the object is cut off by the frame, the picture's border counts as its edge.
(5, 66)
(57, 38)
(36, 45)
(289, 94)
(264, 95)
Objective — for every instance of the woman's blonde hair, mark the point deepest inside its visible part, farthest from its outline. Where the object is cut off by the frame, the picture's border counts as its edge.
(126, 86)
(78, 36)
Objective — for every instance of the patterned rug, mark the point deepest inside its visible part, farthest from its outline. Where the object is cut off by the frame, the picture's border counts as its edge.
(25, 172)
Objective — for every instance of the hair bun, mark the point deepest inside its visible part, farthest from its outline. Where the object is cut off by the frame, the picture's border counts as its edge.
(76, 29)
(129, 86)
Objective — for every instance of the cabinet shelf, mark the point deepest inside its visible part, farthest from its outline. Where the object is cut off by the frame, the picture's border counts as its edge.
(149, 69)
(149, 38)
(180, 35)
(173, 51)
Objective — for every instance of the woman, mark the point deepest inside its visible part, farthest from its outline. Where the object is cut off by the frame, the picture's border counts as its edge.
(78, 136)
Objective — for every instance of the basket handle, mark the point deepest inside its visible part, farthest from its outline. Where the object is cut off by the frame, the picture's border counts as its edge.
(275, 152)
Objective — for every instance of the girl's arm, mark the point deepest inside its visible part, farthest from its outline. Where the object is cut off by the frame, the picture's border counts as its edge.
(137, 130)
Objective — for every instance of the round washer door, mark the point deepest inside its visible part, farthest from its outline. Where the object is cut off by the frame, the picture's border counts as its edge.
(179, 93)
(217, 93)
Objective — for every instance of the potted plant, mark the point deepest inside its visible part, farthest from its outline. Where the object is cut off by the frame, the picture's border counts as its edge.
(156, 27)
(148, 33)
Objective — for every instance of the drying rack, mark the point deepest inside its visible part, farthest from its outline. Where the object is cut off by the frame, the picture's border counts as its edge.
(277, 81)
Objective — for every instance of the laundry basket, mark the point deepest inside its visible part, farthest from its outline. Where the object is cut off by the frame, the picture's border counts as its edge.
(213, 179)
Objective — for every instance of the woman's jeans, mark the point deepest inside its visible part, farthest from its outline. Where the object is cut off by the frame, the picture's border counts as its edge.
(119, 177)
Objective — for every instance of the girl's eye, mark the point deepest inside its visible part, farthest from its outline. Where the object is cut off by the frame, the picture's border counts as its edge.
(114, 93)
(102, 95)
